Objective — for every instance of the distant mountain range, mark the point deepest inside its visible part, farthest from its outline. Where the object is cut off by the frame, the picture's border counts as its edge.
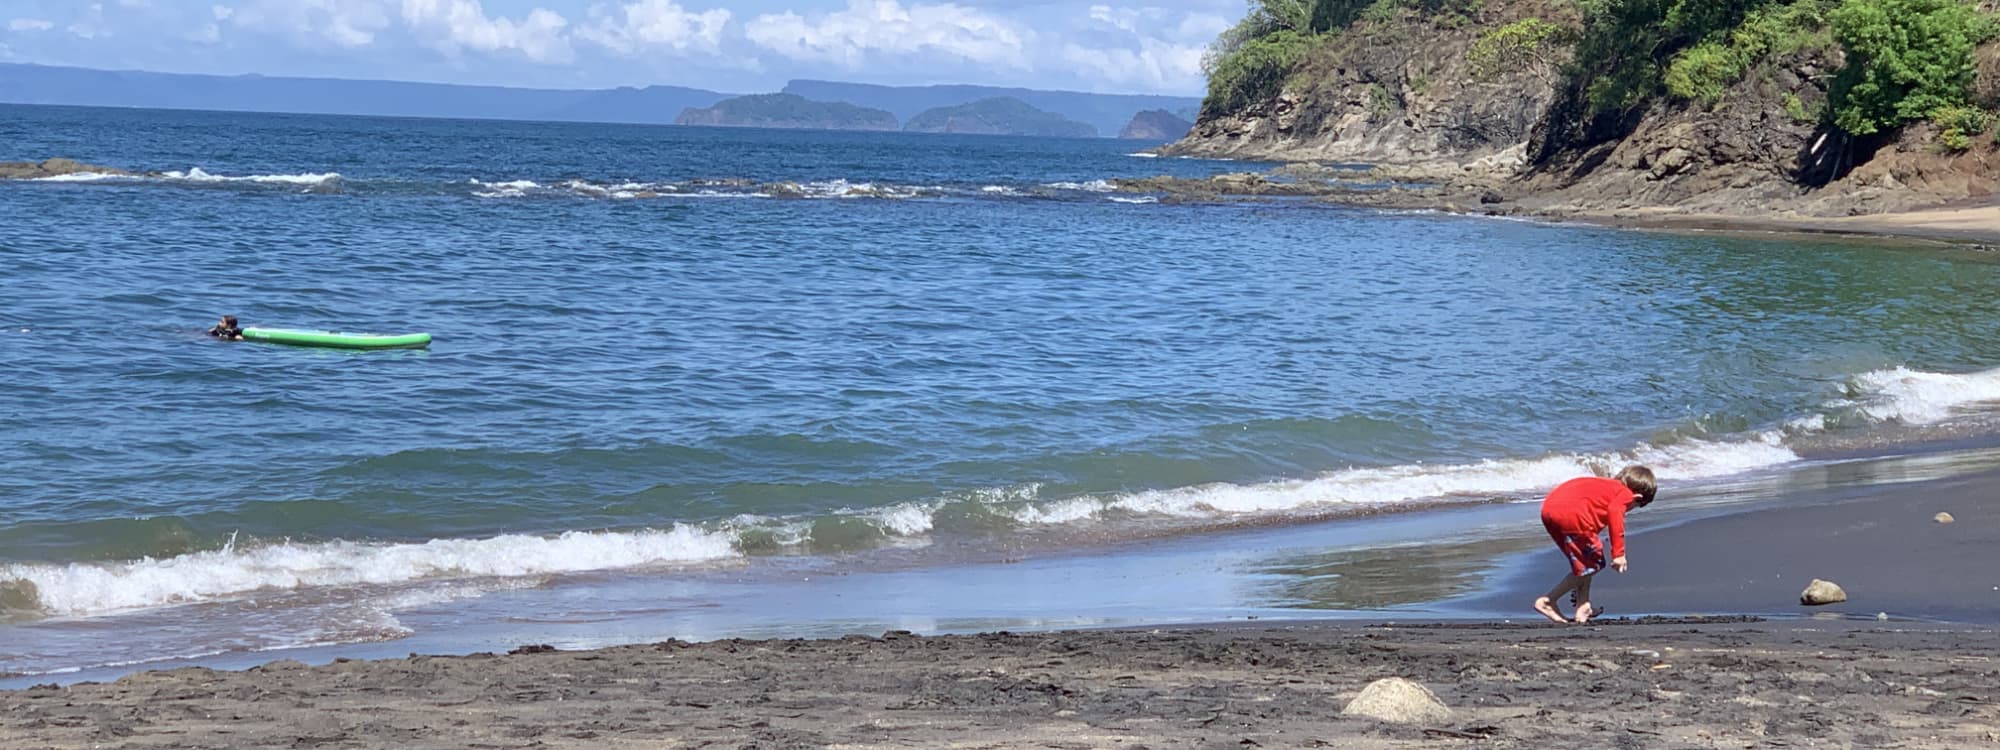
(1108, 113)
(42, 84)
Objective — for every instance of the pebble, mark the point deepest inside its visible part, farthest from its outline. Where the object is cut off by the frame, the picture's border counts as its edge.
(1943, 518)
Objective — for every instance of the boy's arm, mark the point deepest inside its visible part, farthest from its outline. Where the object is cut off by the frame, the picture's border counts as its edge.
(1617, 524)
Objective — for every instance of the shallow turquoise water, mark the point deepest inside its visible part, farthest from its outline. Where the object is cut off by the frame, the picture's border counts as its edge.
(650, 356)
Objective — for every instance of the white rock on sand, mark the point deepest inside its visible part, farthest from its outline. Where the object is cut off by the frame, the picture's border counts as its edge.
(1397, 700)
(1822, 592)
(1943, 518)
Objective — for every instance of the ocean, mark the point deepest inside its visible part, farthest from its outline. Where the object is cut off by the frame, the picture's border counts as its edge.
(693, 382)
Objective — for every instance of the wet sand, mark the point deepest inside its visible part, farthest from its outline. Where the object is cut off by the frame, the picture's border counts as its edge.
(1667, 684)
(1882, 546)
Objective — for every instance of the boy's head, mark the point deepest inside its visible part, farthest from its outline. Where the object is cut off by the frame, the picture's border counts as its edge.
(1639, 480)
(228, 321)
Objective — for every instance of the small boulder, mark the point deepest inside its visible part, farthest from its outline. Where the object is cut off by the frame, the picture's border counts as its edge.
(1394, 699)
(1822, 592)
(1943, 518)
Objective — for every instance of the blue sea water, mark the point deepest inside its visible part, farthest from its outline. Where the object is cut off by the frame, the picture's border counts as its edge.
(668, 352)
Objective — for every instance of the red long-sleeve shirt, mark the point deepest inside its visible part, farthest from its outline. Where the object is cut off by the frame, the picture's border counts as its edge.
(1586, 506)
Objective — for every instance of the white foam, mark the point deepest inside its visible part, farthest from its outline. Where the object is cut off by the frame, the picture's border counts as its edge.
(1093, 186)
(1917, 397)
(1140, 199)
(83, 177)
(195, 174)
(844, 189)
(508, 189)
(1143, 155)
(1391, 485)
(907, 519)
(92, 588)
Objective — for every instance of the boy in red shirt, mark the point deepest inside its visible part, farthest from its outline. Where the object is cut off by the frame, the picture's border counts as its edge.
(1575, 512)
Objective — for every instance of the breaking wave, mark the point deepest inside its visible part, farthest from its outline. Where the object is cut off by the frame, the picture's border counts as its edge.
(1898, 395)
(621, 190)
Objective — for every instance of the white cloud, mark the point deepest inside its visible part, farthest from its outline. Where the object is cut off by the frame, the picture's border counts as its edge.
(464, 24)
(221, 12)
(869, 30)
(345, 23)
(1155, 66)
(29, 24)
(655, 24)
(90, 25)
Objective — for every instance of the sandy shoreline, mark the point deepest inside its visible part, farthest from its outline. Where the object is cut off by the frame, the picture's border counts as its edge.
(1977, 225)
(1880, 543)
(1663, 684)
(1824, 677)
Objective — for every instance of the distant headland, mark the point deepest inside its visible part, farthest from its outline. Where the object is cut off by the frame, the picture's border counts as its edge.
(801, 104)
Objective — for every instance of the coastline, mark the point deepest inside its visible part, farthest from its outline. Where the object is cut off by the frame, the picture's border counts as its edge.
(1726, 659)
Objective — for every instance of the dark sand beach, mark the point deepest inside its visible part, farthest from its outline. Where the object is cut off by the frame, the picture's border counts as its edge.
(1928, 677)
(1670, 683)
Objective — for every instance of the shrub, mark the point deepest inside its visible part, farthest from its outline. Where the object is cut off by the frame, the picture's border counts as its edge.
(1702, 72)
(1906, 59)
(1381, 103)
(1796, 109)
(1527, 42)
(1705, 70)
(1960, 124)
(1255, 71)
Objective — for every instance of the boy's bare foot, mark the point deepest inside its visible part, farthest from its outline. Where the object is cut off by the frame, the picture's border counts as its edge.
(1585, 611)
(1548, 610)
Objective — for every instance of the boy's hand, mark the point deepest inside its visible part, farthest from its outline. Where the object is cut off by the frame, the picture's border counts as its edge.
(1618, 563)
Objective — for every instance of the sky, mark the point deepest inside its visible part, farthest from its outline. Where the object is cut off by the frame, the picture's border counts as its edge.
(735, 46)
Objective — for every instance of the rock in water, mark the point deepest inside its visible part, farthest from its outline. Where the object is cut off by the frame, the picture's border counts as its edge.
(1395, 699)
(1822, 592)
(1943, 518)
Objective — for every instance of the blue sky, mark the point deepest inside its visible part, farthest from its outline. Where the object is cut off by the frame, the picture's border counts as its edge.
(1136, 46)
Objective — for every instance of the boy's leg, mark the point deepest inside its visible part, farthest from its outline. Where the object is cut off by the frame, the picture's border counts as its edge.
(1547, 603)
(1584, 609)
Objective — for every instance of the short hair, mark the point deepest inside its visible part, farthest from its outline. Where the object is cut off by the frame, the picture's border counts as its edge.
(1640, 480)
(229, 320)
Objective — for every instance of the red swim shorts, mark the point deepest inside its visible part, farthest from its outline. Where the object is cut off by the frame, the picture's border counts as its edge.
(1585, 552)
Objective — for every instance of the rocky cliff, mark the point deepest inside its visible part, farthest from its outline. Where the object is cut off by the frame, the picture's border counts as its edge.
(1520, 131)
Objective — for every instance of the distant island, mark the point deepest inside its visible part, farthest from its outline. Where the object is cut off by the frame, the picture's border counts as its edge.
(1001, 115)
(1106, 112)
(1156, 125)
(787, 111)
(802, 103)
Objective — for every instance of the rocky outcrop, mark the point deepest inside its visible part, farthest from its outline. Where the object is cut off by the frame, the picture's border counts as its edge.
(29, 170)
(1405, 93)
(1400, 92)
(1156, 125)
(787, 111)
(998, 116)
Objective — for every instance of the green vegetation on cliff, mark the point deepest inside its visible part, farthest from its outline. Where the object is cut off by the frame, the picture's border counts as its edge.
(1906, 60)
(1898, 60)
(1873, 65)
